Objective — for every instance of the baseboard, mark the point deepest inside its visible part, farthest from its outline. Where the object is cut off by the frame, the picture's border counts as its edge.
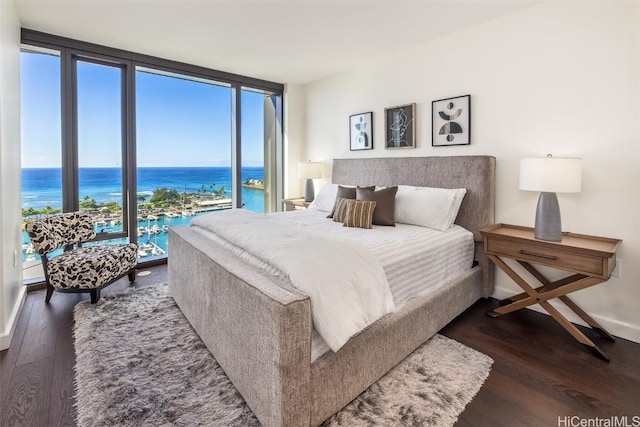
(615, 327)
(7, 335)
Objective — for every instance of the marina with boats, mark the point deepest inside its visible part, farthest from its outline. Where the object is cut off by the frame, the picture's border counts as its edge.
(166, 197)
(152, 225)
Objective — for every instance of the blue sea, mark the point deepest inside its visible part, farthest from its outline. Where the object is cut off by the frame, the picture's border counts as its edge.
(42, 187)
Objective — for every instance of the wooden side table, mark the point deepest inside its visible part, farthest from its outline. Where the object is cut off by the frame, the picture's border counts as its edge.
(294, 204)
(590, 259)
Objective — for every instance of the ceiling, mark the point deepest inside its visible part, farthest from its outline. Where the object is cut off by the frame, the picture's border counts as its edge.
(286, 41)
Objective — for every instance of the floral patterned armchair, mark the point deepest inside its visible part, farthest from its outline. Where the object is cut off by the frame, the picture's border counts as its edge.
(81, 269)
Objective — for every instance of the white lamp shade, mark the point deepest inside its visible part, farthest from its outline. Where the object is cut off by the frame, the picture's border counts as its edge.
(310, 170)
(551, 174)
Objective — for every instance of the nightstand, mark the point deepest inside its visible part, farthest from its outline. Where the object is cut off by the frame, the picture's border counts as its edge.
(590, 259)
(295, 204)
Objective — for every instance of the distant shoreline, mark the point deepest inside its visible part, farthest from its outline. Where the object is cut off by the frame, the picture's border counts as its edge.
(253, 187)
(43, 187)
(187, 192)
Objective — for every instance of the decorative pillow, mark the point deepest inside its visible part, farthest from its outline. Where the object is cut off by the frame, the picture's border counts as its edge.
(385, 203)
(325, 199)
(345, 192)
(428, 207)
(359, 213)
(341, 209)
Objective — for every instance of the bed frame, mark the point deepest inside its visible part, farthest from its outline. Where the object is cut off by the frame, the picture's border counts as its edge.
(259, 329)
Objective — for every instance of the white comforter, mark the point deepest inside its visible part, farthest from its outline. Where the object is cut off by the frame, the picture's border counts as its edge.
(346, 284)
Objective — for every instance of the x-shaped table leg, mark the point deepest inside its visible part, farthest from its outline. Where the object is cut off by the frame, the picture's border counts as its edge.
(547, 291)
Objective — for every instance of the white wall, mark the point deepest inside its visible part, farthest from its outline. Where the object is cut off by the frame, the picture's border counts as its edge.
(561, 78)
(11, 290)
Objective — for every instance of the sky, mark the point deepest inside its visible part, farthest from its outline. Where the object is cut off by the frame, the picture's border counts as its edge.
(179, 122)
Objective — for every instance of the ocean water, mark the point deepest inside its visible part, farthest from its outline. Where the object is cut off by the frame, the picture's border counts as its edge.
(42, 187)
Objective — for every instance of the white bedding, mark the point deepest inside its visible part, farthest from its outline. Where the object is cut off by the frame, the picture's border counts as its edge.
(415, 259)
(346, 284)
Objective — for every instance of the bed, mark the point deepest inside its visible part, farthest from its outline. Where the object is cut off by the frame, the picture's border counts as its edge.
(260, 329)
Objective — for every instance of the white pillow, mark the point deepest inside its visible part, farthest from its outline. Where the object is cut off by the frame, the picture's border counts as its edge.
(325, 199)
(427, 206)
(459, 196)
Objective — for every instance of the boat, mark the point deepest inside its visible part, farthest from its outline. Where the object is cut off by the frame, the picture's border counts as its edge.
(171, 215)
(100, 224)
(31, 253)
(157, 250)
(152, 218)
(146, 246)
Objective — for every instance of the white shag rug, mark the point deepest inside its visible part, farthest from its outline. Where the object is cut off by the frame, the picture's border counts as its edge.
(139, 363)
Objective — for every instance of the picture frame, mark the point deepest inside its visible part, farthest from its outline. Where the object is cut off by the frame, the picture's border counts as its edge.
(361, 131)
(400, 126)
(451, 121)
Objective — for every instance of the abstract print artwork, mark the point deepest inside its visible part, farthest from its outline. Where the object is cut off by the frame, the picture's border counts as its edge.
(400, 126)
(451, 121)
(361, 131)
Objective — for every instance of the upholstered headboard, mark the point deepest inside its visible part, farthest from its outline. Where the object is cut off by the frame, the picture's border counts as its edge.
(475, 173)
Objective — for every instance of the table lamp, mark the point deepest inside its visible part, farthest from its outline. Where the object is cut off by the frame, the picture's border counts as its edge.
(309, 171)
(550, 175)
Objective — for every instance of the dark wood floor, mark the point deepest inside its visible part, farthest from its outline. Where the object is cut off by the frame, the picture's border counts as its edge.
(36, 372)
(540, 373)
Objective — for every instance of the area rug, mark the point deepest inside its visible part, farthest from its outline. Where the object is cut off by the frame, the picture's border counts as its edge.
(139, 362)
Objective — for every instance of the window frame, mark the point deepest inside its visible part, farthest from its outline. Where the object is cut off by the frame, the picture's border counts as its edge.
(71, 51)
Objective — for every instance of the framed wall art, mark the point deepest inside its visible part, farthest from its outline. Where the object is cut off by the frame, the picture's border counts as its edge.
(400, 126)
(451, 121)
(361, 131)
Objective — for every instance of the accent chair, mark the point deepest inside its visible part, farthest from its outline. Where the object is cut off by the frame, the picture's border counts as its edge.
(79, 268)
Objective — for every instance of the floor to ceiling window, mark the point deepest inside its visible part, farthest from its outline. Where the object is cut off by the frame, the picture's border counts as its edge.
(259, 149)
(99, 141)
(142, 143)
(184, 142)
(41, 144)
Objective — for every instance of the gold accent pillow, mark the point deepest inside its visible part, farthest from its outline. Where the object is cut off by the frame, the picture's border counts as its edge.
(359, 213)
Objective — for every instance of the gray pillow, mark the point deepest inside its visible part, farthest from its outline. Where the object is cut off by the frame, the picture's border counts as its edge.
(345, 193)
(385, 203)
